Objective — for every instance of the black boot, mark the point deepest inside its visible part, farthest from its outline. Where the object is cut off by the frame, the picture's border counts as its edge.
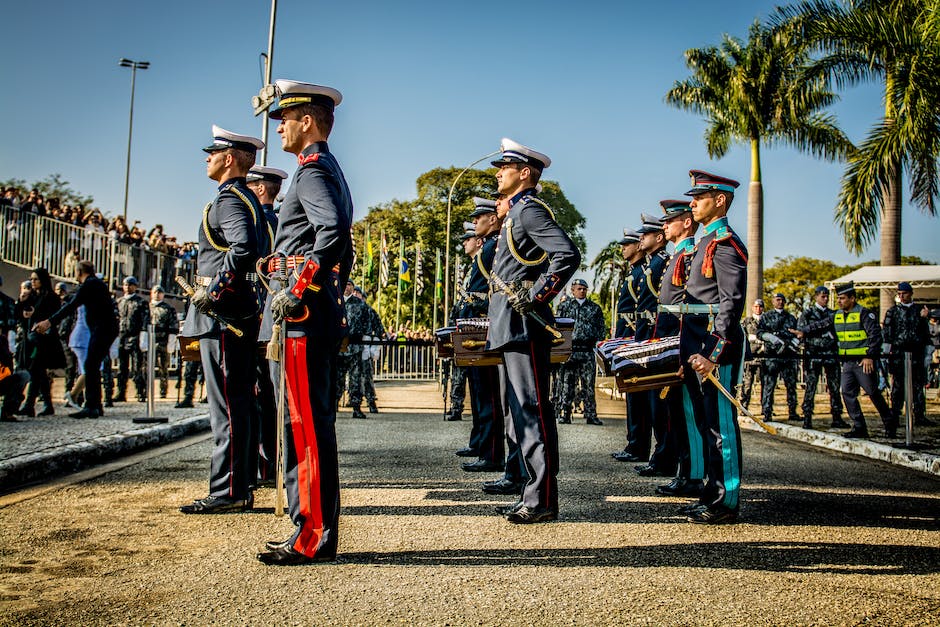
(186, 402)
(357, 413)
(808, 421)
(373, 409)
(838, 423)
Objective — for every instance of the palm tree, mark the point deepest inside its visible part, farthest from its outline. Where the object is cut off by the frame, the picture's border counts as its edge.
(754, 94)
(896, 42)
(609, 267)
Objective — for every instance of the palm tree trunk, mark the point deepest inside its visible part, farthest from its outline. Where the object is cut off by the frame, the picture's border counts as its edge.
(755, 229)
(891, 206)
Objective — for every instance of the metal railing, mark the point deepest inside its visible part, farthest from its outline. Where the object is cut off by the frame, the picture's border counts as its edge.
(407, 362)
(31, 241)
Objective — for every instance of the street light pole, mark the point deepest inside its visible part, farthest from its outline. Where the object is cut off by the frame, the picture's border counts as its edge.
(134, 65)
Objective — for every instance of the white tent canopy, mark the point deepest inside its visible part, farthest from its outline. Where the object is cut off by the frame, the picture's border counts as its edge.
(924, 279)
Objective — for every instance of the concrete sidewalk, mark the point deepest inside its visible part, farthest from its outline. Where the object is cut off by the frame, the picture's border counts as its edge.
(37, 449)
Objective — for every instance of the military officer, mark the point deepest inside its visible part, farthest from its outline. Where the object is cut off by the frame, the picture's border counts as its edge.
(636, 449)
(359, 321)
(859, 336)
(458, 374)
(165, 324)
(580, 369)
(753, 352)
(134, 318)
(225, 266)
(265, 182)
(777, 329)
(815, 328)
(487, 433)
(313, 231)
(534, 259)
(654, 413)
(712, 342)
(679, 228)
(906, 331)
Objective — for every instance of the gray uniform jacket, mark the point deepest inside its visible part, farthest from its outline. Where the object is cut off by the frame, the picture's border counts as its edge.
(314, 222)
(228, 243)
(531, 248)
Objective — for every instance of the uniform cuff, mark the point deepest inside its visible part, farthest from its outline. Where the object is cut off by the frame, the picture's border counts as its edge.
(549, 289)
(717, 347)
(305, 279)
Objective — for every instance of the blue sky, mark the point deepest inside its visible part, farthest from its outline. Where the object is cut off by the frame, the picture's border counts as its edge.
(426, 84)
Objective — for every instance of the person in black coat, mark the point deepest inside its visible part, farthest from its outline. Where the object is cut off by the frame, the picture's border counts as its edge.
(102, 322)
(41, 353)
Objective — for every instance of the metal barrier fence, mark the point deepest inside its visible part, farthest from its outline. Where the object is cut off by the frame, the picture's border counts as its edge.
(31, 241)
(407, 362)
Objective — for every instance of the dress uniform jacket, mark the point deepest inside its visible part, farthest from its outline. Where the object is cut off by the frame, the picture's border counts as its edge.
(717, 277)
(626, 302)
(314, 224)
(648, 292)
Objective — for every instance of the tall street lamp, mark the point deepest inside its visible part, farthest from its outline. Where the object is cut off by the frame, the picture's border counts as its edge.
(134, 66)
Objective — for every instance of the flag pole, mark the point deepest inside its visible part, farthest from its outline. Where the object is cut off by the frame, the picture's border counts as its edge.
(414, 287)
(437, 276)
(378, 302)
(401, 258)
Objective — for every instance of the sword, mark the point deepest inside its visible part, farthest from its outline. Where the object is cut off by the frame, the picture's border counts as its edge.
(505, 289)
(740, 407)
(281, 394)
(189, 291)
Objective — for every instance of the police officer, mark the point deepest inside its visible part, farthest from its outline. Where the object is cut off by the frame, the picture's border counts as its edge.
(816, 330)
(637, 448)
(753, 352)
(228, 249)
(534, 259)
(314, 233)
(712, 342)
(134, 318)
(859, 337)
(580, 369)
(777, 329)
(458, 374)
(679, 228)
(487, 432)
(906, 331)
(653, 410)
(165, 324)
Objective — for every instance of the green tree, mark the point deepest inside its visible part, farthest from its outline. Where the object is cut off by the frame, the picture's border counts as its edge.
(897, 43)
(753, 93)
(424, 219)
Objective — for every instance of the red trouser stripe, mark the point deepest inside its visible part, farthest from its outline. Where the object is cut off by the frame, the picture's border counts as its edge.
(305, 446)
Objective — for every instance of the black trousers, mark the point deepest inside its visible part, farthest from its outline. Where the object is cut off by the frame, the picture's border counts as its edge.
(918, 381)
(524, 378)
(812, 371)
(266, 393)
(98, 349)
(486, 434)
(855, 378)
(11, 389)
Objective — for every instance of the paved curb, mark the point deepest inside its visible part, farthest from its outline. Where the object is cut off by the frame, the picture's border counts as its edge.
(61, 460)
(915, 460)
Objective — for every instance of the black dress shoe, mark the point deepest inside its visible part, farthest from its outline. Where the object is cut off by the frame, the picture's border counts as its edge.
(482, 465)
(286, 556)
(48, 410)
(838, 423)
(502, 486)
(692, 507)
(624, 456)
(531, 515)
(467, 452)
(28, 412)
(680, 486)
(564, 420)
(594, 421)
(652, 471)
(713, 516)
(183, 404)
(856, 434)
(85, 413)
(119, 399)
(217, 505)
(504, 510)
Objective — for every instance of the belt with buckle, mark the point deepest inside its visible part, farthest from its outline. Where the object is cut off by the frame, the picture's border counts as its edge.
(206, 281)
(638, 315)
(276, 264)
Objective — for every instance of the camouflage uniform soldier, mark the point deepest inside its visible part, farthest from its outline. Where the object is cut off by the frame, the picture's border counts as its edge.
(134, 318)
(589, 328)
(906, 331)
(818, 333)
(754, 350)
(359, 323)
(376, 330)
(165, 324)
(777, 329)
(344, 359)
